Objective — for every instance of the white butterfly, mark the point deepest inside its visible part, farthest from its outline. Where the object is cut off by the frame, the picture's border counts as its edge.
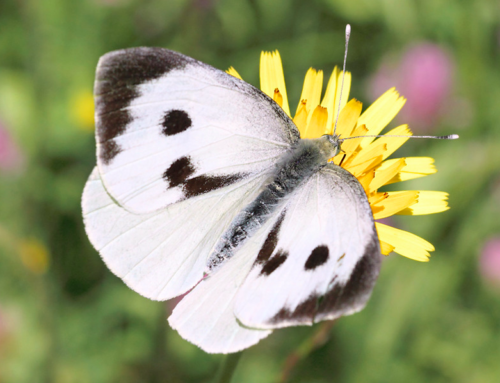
(201, 173)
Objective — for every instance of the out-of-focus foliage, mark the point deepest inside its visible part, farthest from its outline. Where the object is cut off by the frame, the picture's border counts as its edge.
(65, 318)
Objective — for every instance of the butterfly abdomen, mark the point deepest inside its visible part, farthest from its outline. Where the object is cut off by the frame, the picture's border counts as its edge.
(295, 168)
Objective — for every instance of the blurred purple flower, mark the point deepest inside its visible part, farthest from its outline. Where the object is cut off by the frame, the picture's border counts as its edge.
(11, 157)
(424, 75)
(489, 262)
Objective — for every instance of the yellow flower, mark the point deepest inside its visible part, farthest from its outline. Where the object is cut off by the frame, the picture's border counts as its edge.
(365, 158)
(82, 110)
(34, 256)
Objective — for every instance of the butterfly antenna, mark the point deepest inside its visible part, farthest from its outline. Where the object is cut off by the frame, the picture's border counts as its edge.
(449, 137)
(347, 36)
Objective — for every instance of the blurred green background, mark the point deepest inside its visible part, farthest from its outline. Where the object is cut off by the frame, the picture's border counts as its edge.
(65, 318)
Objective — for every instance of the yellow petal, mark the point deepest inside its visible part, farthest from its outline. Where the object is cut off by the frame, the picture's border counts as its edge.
(388, 144)
(348, 118)
(382, 176)
(393, 203)
(265, 76)
(329, 99)
(350, 146)
(394, 143)
(300, 119)
(359, 169)
(311, 90)
(373, 157)
(375, 198)
(406, 244)
(416, 167)
(385, 248)
(428, 202)
(317, 123)
(365, 181)
(233, 72)
(272, 77)
(278, 98)
(345, 95)
(380, 113)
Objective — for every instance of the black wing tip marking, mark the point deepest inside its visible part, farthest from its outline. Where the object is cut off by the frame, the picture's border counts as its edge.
(356, 292)
(120, 72)
(134, 66)
(108, 150)
(303, 313)
(318, 257)
(117, 76)
(342, 298)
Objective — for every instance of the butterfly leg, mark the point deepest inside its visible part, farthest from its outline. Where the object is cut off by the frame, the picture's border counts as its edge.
(343, 157)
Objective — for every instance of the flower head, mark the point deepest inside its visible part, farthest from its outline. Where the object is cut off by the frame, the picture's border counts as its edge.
(82, 110)
(365, 157)
(489, 262)
(11, 157)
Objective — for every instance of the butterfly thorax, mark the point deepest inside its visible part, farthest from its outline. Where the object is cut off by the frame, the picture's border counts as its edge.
(297, 166)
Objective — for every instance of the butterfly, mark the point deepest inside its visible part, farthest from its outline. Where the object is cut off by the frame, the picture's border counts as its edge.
(203, 185)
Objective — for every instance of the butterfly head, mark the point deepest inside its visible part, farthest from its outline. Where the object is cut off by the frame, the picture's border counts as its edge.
(330, 145)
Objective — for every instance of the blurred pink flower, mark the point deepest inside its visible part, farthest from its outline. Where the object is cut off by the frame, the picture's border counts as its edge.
(489, 261)
(424, 75)
(4, 329)
(11, 157)
(112, 3)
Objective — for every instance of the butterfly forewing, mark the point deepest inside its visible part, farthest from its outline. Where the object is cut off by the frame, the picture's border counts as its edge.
(171, 128)
(319, 261)
(161, 254)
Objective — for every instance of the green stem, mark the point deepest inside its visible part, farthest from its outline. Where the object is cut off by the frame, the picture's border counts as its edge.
(227, 367)
(316, 340)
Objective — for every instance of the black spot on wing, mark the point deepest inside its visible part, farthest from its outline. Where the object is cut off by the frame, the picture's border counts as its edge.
(303, 313)
(271, 241)
(273, 263)
(342, 298)
(355, 293)
(204, 184)
(117, 77)
(318, 257)
(175, 121)
(178, 172)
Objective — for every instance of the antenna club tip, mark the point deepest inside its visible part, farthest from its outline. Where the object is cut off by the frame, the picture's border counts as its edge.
(454, 136)
(348, 30)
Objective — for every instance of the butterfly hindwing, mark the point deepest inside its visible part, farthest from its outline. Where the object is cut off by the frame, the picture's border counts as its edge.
(319, 261)
(205, 316)
(170, 128)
